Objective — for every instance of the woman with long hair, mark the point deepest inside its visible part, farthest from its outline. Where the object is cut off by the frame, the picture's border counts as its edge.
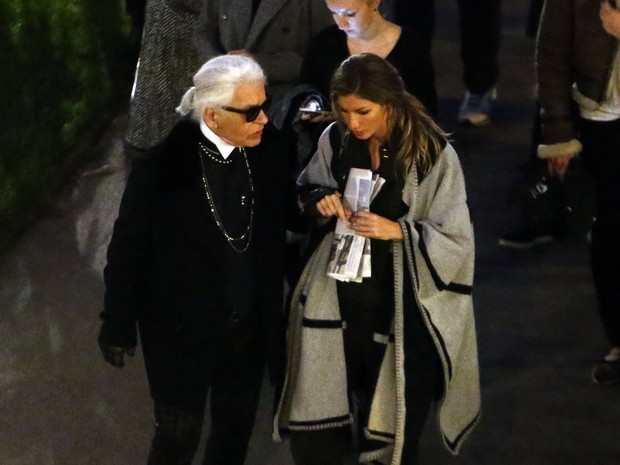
(367, 360)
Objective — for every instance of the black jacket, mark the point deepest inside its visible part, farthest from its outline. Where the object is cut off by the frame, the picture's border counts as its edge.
(166, 254)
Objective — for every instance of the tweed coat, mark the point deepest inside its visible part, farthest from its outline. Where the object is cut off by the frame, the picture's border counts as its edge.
(437, 251)
(277, 36)
(168, 60)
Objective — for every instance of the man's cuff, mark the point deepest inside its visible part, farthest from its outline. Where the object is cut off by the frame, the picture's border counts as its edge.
(563, 149)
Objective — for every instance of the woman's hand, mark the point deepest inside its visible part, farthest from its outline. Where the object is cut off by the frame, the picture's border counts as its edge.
(610, 18)
(374, 226)
(331, 205)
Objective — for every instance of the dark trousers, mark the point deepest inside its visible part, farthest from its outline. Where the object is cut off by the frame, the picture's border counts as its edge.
(231, 369)
(601, 156)
(423, 385)
(480, 23)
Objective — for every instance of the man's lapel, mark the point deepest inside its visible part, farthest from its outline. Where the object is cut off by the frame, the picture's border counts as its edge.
(267, 10)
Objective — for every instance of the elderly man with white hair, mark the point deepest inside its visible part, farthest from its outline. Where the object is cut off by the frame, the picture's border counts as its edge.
(195, 265)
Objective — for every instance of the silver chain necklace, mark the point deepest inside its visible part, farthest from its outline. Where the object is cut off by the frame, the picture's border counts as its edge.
(247, 235)
(215, 156)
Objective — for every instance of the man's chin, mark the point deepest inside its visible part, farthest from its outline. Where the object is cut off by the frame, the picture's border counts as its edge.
(253, 142)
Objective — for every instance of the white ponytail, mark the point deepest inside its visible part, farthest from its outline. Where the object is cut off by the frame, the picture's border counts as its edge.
(187, 102)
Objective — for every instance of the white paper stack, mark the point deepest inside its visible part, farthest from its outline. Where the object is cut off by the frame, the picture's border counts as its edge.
(350, 253)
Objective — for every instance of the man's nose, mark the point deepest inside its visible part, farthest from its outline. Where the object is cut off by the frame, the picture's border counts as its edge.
(262, 118)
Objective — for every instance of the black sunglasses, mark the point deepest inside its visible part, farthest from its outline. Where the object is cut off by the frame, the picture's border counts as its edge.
(251, 113)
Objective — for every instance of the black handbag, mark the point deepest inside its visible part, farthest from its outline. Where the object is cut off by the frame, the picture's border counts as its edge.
(562, 208)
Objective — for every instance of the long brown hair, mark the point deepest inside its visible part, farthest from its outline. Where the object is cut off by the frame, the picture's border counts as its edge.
(370, 77)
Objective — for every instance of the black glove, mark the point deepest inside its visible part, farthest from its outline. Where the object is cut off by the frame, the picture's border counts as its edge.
(115, 355)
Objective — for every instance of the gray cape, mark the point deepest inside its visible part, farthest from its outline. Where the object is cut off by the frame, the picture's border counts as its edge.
(438, 252)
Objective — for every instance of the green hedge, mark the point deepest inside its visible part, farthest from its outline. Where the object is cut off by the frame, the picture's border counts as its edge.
(63, 65)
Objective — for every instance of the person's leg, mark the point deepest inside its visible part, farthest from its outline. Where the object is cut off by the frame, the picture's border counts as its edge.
(176, 438)
(420, 395)
(178, 381)
(422, 374)
(321, 447)
(601, 141)
(235, 392)
(480, 22)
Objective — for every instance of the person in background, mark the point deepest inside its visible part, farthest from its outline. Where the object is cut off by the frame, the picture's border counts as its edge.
(361, 28)
(136, 11)
(196, 263)
(540, 198)
(480, 25)
(578, 62)
(275, 33)
(392, 345)
(165, 68)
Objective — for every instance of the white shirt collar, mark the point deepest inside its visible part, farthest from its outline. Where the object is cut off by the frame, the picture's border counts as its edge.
(224, 147)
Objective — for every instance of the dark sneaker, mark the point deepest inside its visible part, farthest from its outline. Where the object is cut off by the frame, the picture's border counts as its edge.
(525, 240)
(476, 108)
(607, 371)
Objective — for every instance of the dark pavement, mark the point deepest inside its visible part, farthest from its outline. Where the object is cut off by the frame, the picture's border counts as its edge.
(538, 330)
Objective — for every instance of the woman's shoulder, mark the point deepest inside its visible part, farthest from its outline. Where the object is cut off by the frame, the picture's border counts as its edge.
(409, 36)
(411, 43)
(447, 158)
(330, 134)
(411, 54)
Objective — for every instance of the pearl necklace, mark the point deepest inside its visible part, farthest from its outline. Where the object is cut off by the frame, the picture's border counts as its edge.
(214, 155)
(247, 235)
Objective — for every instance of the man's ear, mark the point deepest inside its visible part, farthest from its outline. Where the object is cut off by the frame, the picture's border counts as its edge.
(210, 118)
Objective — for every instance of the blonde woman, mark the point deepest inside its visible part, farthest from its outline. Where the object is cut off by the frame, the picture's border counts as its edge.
(360, 28)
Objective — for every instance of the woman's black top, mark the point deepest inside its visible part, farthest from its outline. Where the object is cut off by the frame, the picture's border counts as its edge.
(370, 304)
(411, 56)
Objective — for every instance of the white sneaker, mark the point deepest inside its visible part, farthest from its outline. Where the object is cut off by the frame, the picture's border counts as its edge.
(476, 108)
(607, 370)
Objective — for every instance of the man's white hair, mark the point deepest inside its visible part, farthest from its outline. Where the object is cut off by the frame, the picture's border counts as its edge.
(216, 81)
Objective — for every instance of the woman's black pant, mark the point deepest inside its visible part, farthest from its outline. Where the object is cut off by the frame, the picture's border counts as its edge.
(601, 157)
(231, 369)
